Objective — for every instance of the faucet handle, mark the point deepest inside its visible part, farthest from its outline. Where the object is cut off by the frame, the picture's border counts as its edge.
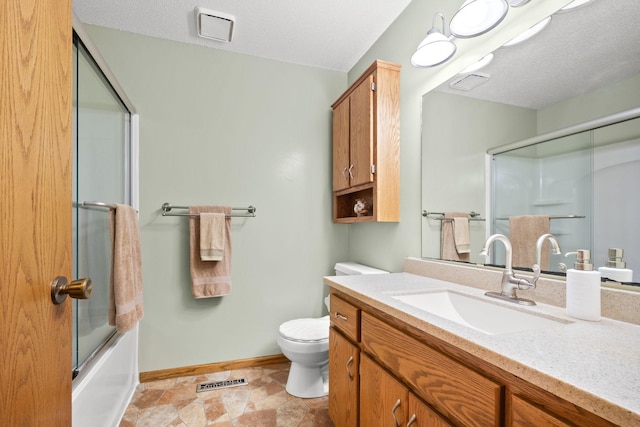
(524, 284)
(536, 272)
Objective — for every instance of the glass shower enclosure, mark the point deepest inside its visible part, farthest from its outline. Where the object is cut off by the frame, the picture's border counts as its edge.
(101, 178)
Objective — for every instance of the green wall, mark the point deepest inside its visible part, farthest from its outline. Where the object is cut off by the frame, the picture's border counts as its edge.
(218, 128)
(386, 245)
(224, 128)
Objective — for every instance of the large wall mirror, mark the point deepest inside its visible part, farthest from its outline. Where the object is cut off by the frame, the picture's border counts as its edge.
(585, 65)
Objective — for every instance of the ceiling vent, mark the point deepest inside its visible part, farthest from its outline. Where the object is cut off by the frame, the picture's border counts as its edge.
(214, 25)
(469, 81)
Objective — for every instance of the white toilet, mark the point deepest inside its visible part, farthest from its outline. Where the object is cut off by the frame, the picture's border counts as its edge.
(306, 343)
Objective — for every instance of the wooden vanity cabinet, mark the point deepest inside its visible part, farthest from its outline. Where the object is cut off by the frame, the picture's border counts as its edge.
(436, 383)
(366, 146)
(454, 390)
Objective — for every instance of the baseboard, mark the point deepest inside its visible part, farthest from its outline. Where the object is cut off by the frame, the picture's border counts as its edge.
(185, 371)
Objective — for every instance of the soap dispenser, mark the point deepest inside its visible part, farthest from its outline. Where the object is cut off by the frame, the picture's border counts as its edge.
(583, 288)
(615, 268)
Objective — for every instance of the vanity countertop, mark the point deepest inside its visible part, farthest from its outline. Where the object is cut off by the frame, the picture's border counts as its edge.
(595, 365)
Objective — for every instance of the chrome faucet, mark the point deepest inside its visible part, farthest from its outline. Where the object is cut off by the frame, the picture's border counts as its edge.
(510, 283)
(555, 247)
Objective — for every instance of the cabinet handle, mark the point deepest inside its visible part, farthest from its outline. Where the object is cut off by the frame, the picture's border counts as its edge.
(412, 420)
(349, 362)
(393, 412)
(351, 171)
(344, 174)
(341, 317)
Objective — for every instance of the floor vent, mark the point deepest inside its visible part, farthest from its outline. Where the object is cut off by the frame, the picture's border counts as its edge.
(221, 384)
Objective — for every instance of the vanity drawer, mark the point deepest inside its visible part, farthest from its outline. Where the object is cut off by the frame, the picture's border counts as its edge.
(459, 393)
(345, 317)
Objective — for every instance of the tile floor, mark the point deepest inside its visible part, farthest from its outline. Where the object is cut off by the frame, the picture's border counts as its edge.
(263, 402)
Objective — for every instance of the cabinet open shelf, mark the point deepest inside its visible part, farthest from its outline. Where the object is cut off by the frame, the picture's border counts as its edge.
(345, 200)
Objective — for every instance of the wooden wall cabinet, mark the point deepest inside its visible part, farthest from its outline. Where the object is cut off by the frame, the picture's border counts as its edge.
(366, 146)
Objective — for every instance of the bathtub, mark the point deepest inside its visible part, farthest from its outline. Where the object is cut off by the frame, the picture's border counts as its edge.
(105, 385)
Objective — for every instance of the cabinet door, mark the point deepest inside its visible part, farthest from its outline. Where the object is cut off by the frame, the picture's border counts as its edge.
(420, 415)
(341, 146)
(344, 380)
(383, 400)
(361, 124)
(525, 414)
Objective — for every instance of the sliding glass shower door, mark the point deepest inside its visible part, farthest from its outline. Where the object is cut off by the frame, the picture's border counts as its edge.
(101, 170)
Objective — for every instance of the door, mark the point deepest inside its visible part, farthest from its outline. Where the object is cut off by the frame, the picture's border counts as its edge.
(383, 400)
(341, 146)
(35, 224)
(344, 363)
(361, 131)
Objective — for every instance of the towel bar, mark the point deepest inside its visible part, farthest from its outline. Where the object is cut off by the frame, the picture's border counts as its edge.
(473, 216)
(110, 206)
(553, 217)
(94, 205)
(167, 207)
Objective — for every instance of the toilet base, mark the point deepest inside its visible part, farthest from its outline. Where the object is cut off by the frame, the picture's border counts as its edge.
(308, 382)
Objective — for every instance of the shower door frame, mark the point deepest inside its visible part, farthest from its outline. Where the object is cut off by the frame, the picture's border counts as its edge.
(132, 160)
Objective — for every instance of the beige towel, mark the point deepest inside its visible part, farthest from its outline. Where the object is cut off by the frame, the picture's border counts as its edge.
(125, 291)
(454, 238)
(523, 233)
(209, 279)
(212, 236)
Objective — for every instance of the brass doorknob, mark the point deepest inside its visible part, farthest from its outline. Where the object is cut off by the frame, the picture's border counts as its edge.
(78, 289)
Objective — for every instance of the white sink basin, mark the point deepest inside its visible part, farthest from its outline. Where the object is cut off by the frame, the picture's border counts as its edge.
(476, 313)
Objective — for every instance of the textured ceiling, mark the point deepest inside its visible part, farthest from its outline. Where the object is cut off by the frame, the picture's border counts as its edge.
(330, 34)
(578, 52)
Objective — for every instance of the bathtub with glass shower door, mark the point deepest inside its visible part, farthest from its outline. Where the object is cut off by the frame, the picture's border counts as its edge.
(104, 369)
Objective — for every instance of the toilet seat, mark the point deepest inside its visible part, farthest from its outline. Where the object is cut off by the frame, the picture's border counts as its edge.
(306, 330)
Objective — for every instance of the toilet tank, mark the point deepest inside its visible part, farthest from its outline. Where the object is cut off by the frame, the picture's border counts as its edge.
(353, 268)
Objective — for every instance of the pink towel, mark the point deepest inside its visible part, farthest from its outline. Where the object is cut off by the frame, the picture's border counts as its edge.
(454, 242)
(523, 233)
(125, 291)
(209, 278)
(212, 236)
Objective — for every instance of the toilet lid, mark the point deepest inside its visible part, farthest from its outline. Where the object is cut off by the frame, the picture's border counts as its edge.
(306, 330)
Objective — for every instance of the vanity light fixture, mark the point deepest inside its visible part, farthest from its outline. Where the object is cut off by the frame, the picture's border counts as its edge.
(477, 17)
(574, 4)
(435, 49)
(530, 32)
(483, 62)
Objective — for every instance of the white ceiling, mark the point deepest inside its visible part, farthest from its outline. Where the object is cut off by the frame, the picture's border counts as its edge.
(578, 52)
(329, 34)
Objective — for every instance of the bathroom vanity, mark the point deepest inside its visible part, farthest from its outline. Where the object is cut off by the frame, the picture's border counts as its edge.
(392, 361)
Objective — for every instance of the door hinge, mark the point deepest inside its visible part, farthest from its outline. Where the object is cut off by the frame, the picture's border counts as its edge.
(373, 169)
(373, 86)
